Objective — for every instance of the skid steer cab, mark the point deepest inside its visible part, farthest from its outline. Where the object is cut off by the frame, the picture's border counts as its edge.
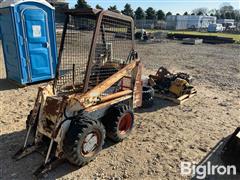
(97, 87)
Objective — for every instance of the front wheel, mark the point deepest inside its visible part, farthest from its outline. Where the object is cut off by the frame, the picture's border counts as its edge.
(83, 141)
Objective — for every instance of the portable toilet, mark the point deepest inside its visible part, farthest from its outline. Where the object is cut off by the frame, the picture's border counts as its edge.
(28, 34)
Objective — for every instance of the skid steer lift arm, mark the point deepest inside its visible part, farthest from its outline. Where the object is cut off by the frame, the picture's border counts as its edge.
(93, 96)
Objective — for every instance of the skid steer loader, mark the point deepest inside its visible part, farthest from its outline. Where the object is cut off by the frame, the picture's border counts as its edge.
(97, 86)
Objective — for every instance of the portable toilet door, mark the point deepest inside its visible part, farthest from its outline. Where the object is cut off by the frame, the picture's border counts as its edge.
(37, 43)
(36, 37)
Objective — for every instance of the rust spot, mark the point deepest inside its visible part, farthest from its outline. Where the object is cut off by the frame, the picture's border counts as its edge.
(52, 106)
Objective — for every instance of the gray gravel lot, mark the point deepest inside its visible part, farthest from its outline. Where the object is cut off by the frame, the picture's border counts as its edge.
(163, 135)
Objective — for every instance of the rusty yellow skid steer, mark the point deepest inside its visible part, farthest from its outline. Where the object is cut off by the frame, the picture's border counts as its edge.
(97, 86)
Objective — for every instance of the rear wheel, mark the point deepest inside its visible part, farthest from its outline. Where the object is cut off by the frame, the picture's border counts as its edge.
(83, 141)
(119, 122)
(147, 97)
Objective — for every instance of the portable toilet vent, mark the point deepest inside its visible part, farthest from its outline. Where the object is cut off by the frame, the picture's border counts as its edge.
(28, 34)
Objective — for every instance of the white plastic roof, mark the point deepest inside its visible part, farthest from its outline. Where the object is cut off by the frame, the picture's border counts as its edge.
(7, 3)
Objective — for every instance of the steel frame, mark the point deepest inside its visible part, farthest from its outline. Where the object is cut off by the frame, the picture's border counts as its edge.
(98, 14)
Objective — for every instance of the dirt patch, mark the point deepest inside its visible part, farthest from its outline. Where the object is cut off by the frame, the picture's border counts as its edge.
(163, 135)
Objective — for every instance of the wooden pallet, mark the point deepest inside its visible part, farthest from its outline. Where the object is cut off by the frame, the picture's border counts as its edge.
(179, 100)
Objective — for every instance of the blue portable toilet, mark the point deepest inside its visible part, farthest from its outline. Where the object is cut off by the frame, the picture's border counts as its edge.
(28, 34)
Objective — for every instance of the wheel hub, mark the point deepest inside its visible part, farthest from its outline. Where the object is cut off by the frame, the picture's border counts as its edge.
(90, 143)
(125, 123)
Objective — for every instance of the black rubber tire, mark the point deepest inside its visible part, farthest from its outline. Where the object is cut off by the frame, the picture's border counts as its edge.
(147, 97)
(74, 140)
(112, 122)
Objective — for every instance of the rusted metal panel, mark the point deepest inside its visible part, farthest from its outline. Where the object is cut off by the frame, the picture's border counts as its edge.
(35, 110)
(60, 117)
(115, 95)
(111, 80)
(91, 54)
(52, 107)
(93, 95)
(137, 93)
(61, 51)
(46, 91)
(118, 15)
(52, 114)
(95, 12)
(82, 11)
(133, 34)
(108, 103)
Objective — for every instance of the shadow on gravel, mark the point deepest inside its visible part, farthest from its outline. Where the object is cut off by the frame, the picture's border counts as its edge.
(5, 84)
(213, 158)
(158, 104)
(25, 167)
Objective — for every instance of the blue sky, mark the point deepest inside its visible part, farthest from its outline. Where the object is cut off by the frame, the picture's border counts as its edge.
(175, 6)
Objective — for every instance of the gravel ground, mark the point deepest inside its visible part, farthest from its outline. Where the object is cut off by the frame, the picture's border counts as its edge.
(163, 135)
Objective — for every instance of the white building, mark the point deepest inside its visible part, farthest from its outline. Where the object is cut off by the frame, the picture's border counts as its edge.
(225, 22)
(149, 24)
(178, 22)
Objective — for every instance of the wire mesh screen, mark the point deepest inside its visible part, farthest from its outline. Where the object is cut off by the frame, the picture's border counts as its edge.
(111, 53)
(77, 45)
(114, 44)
